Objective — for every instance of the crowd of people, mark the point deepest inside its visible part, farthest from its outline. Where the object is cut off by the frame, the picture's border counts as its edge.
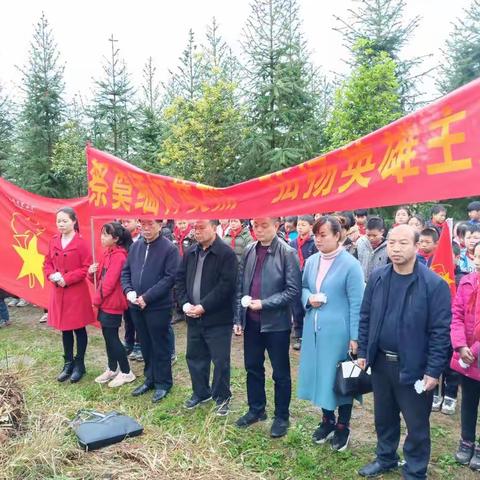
(331, 286)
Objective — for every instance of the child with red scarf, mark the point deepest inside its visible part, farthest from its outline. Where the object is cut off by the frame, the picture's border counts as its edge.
(361, 216)
(438, 215)
(304, 244)
(402, 216)
(464, 331)
(183, 235)
(427, 244)
(238, 237)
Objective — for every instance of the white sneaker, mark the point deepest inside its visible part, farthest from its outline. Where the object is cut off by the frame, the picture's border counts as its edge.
(43, 318)
(13, 302)
(22, 303)
(122, 379)
(437, 403)
(106, 376)
(449, 405)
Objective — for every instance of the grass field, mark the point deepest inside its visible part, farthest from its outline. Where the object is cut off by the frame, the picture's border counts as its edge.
(176, 444)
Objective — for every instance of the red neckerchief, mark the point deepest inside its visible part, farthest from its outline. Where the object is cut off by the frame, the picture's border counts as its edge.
(362, 229)
(425, 255)
(300, 243)
(286, 235)
(234, 234)
(180, 236)
(470, 255)
(437, 225)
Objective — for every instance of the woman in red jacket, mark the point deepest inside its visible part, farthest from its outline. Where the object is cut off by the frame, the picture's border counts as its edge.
(111, 301)
(70, 308)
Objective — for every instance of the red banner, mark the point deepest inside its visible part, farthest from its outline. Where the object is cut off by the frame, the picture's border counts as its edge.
(27, 223)
(429, 155)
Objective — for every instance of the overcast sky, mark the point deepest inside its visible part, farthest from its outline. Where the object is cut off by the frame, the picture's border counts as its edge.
(159, 29)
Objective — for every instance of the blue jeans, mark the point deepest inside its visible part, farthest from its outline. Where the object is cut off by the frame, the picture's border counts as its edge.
(4, 315)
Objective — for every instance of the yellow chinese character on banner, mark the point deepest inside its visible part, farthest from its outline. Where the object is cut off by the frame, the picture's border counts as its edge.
(144, 199)
(320, 177)
(162, 190)
(445, 141)
(287, 189)
(359, 163)
(121, 192)
(98, 185)
(192, 199)
(400, 154)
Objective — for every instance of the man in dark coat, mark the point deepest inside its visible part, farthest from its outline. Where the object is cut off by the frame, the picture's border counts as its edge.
(404, 335)
(269, 283)
(205, 289)
(147, 280)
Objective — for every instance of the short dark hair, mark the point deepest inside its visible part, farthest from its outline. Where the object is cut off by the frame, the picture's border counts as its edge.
(360, 212)
(437, 209)
(472, 228)
(419, 217)
(475, 205)
(307, 218)
(461, 228)
(430, 232)
(403, 207)
(335, 226)
(375, 223)
(291, 220)
(350, 217)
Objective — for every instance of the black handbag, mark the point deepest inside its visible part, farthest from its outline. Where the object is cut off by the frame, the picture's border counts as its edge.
(96, 430)
(351, 380)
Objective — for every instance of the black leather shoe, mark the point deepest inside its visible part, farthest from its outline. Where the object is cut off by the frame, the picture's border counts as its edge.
(159, 394)
(194, 401)
(66, 372)
(250, 418)
(279, 428)
(78, 370)
(374, 469)
(144, 388)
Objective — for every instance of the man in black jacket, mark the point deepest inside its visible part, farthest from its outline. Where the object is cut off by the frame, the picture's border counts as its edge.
(147, 280)
(404, 335)
(269, 282)
(205, 289)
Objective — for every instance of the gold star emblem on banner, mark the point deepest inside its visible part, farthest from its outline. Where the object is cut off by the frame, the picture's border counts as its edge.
(32, 260)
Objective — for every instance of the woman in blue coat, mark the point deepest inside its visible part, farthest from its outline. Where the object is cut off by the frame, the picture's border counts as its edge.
(332, 292)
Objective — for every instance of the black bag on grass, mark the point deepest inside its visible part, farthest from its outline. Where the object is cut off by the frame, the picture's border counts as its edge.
(96, 430)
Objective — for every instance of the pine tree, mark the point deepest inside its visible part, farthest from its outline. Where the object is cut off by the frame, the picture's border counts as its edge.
(367, 100)
(381, 23)
(186, 80)
(68, 161)
(41, 114)
(113, 112)
(150, 125)
(462, 52)
(279, 93)
(6, 133)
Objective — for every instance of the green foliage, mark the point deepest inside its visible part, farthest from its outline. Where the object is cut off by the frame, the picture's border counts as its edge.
(366, 101)
(462, 52)
(281, 103)
(6, 132)
(41, 115)
(113, 112)
(204, 136)
(382, 23)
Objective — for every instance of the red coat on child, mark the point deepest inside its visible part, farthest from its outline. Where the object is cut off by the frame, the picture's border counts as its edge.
(69, 307)
(109, 296)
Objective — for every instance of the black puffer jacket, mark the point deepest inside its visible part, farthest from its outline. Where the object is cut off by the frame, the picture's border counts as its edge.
(281, 285)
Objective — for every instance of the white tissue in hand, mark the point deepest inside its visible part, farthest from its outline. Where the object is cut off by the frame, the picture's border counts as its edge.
(132, 296)
(419, 386)
(56, 277)
(463, 364)
(246, 301)
(186, 307)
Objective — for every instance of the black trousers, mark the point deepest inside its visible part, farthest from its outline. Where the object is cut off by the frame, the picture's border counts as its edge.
(450, 382)
(277, 344)
(130, 334)
(116, 355)
(390, 398)
(298, 314)
(206, 345)
(470, 398)
(153, 328)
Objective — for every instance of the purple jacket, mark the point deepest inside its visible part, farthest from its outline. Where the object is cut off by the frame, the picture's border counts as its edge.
(463, 325)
